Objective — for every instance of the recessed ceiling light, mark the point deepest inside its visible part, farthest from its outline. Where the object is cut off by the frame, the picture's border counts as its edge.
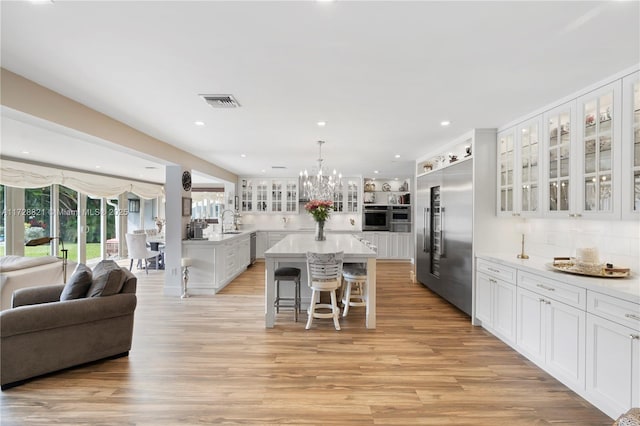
(322, 123)
(25, 152)
(97, 167)
(263, 171)
(243, 155)
(397, 155)
(395, 178)
(375, 171)
(199, 123)
(445, 123)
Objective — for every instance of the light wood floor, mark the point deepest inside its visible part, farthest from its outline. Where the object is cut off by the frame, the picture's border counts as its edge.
(209, 360)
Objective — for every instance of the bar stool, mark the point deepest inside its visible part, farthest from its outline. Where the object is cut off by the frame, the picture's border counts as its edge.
(325, 273)
(355, 282)
(185, 263)
(286, 273)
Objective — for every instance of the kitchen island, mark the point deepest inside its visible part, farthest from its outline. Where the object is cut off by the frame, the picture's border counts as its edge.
(293, 249)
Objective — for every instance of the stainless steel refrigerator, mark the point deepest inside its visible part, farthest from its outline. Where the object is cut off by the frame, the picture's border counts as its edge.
(444, 226)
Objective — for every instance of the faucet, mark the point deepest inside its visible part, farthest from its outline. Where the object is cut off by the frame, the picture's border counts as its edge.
(222, 218)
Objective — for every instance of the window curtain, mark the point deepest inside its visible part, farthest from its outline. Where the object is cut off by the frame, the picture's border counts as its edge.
(23, 175)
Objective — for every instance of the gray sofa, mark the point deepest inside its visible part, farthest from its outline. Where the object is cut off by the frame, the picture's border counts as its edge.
(42, 334)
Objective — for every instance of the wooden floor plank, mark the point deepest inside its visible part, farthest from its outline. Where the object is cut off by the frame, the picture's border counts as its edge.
(209, 359)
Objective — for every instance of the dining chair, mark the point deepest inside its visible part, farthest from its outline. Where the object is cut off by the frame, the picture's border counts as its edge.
(324, 272)
(137, 249)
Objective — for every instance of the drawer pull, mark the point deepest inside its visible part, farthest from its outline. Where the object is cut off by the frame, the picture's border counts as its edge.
(493, 281)
(632, 316)
(634, 337)
(497, 271)
(544, 287)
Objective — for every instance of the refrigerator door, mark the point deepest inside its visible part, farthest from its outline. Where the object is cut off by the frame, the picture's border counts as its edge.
(427, 186)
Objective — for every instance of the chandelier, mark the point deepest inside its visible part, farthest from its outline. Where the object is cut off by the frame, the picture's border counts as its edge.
(320, 186)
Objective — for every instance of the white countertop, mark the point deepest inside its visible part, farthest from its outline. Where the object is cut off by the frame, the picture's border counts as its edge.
(302, 243)
(623, 288)
(220, 238)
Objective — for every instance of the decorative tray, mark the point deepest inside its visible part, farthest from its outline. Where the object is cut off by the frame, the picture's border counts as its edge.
(569, 265)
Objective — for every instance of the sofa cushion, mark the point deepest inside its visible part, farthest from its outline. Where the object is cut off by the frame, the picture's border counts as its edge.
(108, 279)
(78, 283)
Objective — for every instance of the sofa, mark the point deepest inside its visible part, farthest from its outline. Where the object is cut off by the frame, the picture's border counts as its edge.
(41, 333)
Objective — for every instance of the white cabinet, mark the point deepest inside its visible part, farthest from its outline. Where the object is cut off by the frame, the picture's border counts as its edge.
(266, 195)
(506, 166)
(400, 245)
(495, 299)
(551, 321)
(599, 152)
(261, 243)
(613, 353)
(347, 199)
(630, 184)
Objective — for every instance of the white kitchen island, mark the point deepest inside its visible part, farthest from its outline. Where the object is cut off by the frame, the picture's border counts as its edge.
(293, 249)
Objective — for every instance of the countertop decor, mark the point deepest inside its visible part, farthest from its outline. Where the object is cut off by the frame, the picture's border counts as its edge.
(320, 210)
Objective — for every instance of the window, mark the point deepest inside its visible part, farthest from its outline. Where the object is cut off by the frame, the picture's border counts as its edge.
(37, 219)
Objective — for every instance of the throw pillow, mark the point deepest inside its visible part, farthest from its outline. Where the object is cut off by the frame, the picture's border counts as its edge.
(78, 284)
(108, 279)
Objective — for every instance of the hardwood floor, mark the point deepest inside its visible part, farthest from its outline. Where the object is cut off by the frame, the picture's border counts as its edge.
(209, 360)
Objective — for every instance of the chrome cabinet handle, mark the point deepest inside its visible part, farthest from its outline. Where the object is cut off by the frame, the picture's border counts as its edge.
(544, 287)
(497, 271)
(634, 337)
(427, 230)
(632, 316)
(493, 281)
(442, 250)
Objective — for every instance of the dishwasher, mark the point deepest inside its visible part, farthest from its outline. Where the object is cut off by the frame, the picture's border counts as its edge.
(252, 248)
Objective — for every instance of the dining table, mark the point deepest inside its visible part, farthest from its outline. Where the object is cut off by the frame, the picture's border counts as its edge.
(292, 250)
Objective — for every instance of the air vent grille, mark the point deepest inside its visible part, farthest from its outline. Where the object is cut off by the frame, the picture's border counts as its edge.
(221, 101)
(278, 167)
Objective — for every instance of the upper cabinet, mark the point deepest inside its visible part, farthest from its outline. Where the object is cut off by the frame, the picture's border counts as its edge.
(580, 159)
(265, 195)
(631, 147)
(346, 199)
(519, 171)
(599, 152)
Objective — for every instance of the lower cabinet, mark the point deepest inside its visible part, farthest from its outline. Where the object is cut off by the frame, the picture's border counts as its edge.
(391, 245)
(552, 334)
(496, 306)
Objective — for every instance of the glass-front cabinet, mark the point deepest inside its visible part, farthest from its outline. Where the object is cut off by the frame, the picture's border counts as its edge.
(265, 195)
(559, 136)
(631, 147)
(528, 162)
(353, 191)
(506, 165)
(599, 147)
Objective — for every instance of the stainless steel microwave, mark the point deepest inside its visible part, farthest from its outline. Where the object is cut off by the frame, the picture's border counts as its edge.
(376, 218)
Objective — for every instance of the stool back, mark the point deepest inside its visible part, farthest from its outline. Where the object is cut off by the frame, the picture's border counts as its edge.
(324, 268)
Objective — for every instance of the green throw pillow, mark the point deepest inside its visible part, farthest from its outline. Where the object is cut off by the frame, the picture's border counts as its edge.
(78, 284)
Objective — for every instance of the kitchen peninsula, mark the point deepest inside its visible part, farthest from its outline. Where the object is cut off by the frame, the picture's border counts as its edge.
(292, 250)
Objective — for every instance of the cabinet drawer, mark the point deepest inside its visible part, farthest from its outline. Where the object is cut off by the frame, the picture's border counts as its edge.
(561, 292)
(496, 270)
(621, 311)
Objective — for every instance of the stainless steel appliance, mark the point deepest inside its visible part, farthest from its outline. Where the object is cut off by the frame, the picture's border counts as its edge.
(400, 219)
(252, 248)
(195, 229)
(444, 233)
(376, 218)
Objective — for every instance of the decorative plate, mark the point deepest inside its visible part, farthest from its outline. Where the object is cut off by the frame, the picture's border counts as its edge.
(386, 187)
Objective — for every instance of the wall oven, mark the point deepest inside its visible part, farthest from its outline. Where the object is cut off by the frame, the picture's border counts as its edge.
(400, 219)
(376, 218)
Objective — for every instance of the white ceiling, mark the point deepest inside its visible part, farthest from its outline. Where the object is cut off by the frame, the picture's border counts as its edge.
(383, 75)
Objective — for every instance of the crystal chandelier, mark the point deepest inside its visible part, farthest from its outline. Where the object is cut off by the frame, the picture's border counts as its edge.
(320, 186)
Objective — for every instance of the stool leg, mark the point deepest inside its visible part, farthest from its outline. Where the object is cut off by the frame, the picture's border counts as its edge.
(312, 309)
(335, 310)
(346, 298)
(296, 301)
(277, 296)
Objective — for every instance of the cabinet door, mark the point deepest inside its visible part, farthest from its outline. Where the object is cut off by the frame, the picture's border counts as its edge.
(291, 201)
(631, 147)
(484, 298)
(506, 166)
(504, 310)
(530, 325)
(353, 195)
(247, 192)
(261, 244)
(559, 159)
(527, 192)
(613, 366)
(262, 196)
(599, 152)
(277, 196)
(565, 343)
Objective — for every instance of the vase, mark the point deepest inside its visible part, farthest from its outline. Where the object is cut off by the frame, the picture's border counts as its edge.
(320, 231)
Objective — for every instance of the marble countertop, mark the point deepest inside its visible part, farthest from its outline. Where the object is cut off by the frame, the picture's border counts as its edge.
(623, 288)
(302, 243)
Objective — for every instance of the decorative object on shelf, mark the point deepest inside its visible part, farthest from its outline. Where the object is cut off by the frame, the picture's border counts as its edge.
(467, 150)
(186, 206)
(427, 167)
(386, 187)
(452, 158)
(352, 221)
(320, 186)
(320, 210)
(404, 187)
(369, 187)
(46, 240)
(572, 266)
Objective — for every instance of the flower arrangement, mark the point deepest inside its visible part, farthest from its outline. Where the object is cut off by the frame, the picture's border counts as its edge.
(319, 209)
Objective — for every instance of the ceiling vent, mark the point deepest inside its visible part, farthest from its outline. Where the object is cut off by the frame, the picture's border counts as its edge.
(221, 101)
(278, 167)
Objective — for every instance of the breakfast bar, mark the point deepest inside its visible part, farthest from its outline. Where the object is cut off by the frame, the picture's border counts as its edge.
(294, 248)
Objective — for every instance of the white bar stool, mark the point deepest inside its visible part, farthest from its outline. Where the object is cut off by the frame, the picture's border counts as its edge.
(324, 272)
(185, 263)
(355, 278)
